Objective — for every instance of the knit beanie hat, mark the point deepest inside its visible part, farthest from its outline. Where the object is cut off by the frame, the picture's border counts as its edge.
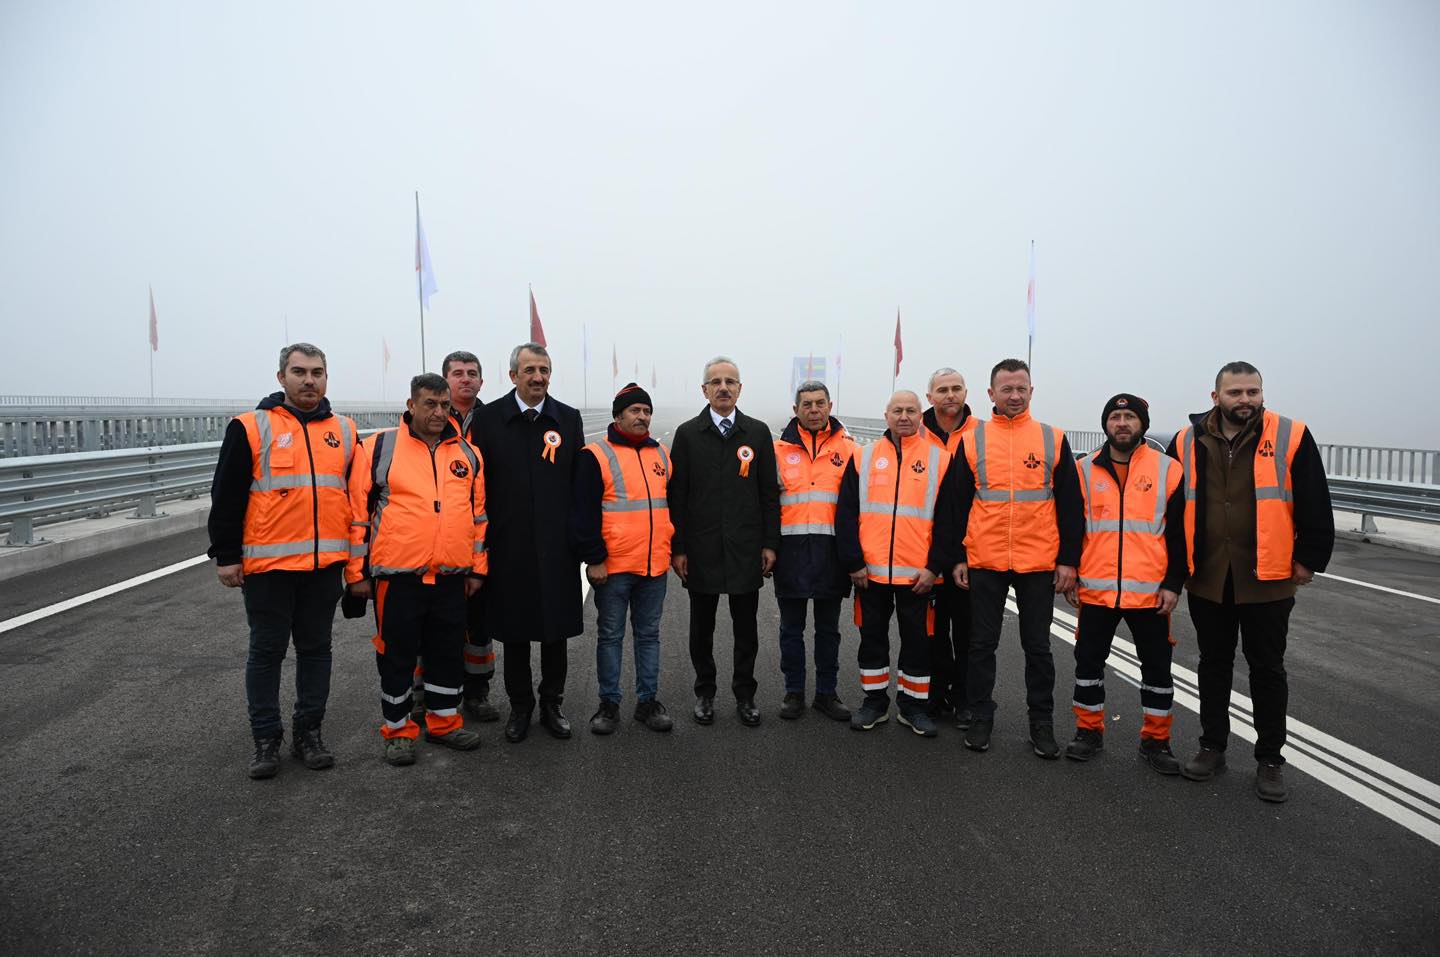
(628, 396)
(1126, 400)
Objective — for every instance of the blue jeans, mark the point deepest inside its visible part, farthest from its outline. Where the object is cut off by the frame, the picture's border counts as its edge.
(827, 643)
(281, 607)
(644, 597)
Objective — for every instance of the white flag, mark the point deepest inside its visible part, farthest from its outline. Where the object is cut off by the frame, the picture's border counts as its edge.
(424, 271)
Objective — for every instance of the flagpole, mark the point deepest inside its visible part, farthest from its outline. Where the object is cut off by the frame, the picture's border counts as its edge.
(419, 284)
(585, 371)
(152, 373)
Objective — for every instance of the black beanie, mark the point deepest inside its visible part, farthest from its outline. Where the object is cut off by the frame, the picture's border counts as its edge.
(1126, 400)
(628, 396)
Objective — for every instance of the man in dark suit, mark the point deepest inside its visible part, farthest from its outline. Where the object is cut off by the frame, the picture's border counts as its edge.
(530, 442)
(724, 501)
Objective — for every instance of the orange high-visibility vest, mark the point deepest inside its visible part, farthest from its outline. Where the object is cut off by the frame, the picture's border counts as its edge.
(1274, 494)
(810, 483)
(418, 511)
(952, 441)
(897, 506)
(1012, 520)
(634, 515)
(298, 515)
(1123, 560)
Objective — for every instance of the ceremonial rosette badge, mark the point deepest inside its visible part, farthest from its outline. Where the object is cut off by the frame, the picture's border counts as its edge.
(746, 455)
(552, 442)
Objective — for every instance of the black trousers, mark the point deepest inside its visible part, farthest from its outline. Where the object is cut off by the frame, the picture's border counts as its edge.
(520, 680)
(414, 619)
(950, 646)
(743, 609)
(1262, 629)
(1035, 598)
(283, 607)
(1093, 636)
(912, 683)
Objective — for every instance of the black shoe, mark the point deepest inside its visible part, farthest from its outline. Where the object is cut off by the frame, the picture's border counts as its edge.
(518, 726)
(870, 714)
(266, 762)
(1156, 753)
(480, 708)
(606, 718)
(1042, 739)
(704, 710)
(749, 714)
(653, 715)
(977, 736)
(1270, 783)
(793, 706)
(920, 722)
(1088, 743)
(941, 709)
(831, 707)
(963, 717)
(307, 745)
(552, 719)
(1205, 765)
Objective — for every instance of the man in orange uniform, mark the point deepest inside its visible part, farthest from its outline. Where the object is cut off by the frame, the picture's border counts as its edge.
(279, 530)
(1016, 502)
(812, 455)
(1132, 567)
(947, 422)
(1258, 526)
(417, 546)
(884, 529)
(622, 533)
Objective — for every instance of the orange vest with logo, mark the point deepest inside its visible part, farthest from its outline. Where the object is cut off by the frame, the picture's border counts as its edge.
(897, 506)
(418, 511)
(634, 515)
(1274, 494)
(810, 481)
(298, 515)
(1124, 559)
(1012, 520)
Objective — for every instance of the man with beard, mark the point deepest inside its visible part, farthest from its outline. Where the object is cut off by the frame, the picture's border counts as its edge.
(1132, 566)
(1258, 525)
(947, 422)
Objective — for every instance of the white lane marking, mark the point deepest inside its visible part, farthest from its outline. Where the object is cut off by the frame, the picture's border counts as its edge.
(99, 593)
(1384, 588)
(1359, 775)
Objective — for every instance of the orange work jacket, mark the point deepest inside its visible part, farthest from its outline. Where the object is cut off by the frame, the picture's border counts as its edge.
(810, 480)
(897, 506)
(1012, 523)
(1123, 560)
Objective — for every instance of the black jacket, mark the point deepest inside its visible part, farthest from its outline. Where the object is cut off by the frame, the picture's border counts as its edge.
(234, 471)
(809, 566)
(1314, 517)
(722, 520)
(586, 519)
(533, 590)
(1177, 564)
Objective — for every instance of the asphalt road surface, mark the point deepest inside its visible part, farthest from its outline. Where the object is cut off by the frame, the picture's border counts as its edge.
(131, 827)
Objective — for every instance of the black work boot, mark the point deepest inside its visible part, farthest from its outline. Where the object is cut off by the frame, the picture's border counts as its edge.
(1042, 739)
(307, 745)
(1270, 782)
(652, 714)
(606, 718)
(1205, 765)
(793, 706)
(1156, 753)
(478, 706)
(266, 762)
(1088, 743)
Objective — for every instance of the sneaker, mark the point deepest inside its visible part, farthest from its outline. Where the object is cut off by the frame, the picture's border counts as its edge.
(831, 707)
(1156, 753)
(480, 708)
(461, 739)
(417, 704)
(870, 714)
(963, 717)
(793, 706)
(652, 714)
(1042, 739)
(1088, 743)
(1205, 765)
(266, 761)
(1270, 783)
(606, 718)
(920, 722)
(977, 736)
(399, 751)
(307, 745)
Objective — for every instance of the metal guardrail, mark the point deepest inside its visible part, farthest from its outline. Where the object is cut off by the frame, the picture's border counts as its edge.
(1411, 501)
(44, 489)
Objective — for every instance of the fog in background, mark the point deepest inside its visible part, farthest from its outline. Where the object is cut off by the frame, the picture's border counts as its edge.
(1204, 182)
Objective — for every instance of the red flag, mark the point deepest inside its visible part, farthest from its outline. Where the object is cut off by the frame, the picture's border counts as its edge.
(899, 349)
(537, 331)
(154, 324)
(614, 363)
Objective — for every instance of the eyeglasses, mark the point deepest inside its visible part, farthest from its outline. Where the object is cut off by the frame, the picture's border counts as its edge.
(714, 383)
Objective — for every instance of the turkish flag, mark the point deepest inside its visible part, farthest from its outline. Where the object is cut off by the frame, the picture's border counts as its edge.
(537, 331)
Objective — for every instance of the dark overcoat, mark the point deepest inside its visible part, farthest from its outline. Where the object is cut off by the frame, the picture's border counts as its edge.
(723, 518)
(533, 590)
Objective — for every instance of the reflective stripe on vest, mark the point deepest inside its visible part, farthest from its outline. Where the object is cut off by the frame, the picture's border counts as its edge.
(1123, 560)
(1012, 524)
(1043, 494)
(634, 544)
(303, 547)
(298, 508)
(894, 537)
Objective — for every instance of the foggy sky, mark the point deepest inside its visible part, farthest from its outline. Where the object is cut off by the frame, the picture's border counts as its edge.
(1203, 183)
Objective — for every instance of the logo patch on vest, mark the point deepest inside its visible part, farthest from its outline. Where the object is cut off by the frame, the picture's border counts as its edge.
(332, 440)
(836, 460)
(658, 469)
(793, 458)
(1144, 484)
(284, 440)
(1102, 486)
(917, 467)
(882, 464)
(459, 469)
(1267, 449)
(1031, 462)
